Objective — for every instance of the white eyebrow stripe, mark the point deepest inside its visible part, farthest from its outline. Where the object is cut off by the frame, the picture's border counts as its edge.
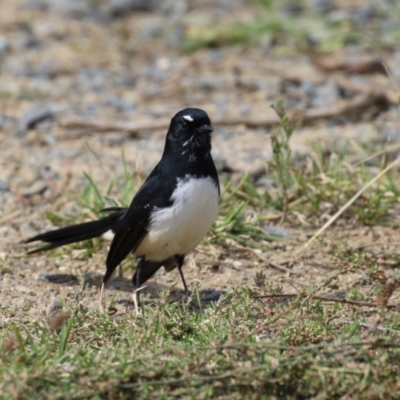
(188, 118)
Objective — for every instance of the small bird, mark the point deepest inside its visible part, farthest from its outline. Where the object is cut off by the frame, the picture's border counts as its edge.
(169, 215)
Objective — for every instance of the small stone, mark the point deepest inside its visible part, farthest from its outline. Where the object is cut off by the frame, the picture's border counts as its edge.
(278, 231)
(320, 6)
(4, 45)
(32, 117)
(23, 289)
(49, 139)
(57, 278)
(120, 104)
(173, 9)
(120, 8)
(41, 5)
(43, 277)
(212, 295)
(38, 187)
(6, 121)
(115, 139)
(363, 14)
(364, 280)
(150, 30)
(4, 186)
(235, 263)
(73, 8)
(326, 95)
(339, 15)
(26, 40)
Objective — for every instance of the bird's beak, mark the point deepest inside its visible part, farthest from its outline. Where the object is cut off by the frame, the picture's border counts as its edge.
(205, 129)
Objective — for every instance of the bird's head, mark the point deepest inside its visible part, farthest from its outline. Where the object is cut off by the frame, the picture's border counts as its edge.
(190, 131)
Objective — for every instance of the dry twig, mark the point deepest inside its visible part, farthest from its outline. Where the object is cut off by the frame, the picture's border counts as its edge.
(322, 298)
(359, 104)
(351, 201)
(271, 263)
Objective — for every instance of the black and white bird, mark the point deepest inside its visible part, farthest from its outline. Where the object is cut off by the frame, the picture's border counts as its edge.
(169, 215)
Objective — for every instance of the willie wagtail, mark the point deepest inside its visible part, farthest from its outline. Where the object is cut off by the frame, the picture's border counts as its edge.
(169, 215)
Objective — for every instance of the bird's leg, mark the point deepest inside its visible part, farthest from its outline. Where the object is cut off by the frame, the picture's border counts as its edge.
(180, 260)
(136, 294)
(102, 297)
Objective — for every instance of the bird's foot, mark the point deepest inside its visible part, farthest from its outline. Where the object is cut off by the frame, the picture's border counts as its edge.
(136, 300)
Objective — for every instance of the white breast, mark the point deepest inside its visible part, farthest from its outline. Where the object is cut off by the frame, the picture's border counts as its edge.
(180, 228)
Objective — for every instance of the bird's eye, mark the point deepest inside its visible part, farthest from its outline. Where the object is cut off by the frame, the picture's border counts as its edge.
(184, 124)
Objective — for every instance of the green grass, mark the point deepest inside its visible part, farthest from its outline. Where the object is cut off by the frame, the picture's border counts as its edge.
(326, 184)
(302, 31)
(239, 347)
(252, 343)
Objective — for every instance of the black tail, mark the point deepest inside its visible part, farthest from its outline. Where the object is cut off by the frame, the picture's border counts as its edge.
(77, 233)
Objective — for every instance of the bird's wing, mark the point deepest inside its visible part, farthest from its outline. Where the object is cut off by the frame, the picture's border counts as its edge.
(133, 227)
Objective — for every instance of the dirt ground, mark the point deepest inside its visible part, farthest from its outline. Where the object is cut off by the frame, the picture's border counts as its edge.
(59, 65)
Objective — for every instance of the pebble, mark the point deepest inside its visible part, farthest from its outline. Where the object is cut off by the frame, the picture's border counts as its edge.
(121, 8)
(173, 9)
(308, 87)
(26, 41)
(103, 10)
(6, 121)
(57, 278)
(115, 139)
(46, 172)
(235, 263)
(277, 231)
(390, 132)
(43, 277)
(49, 139)
(33, 116)
(4, 45)
(339, 15)
(120, 104)
(26, 229)
(364, 280)
(98, 80)
(363, 14)
(4, 186)
(75, 8)
(320, 6)
(41, 5)
(24, 289)
(326, 95)
(213, 56)
(211, 294)
(150, 30)
(38, 187)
